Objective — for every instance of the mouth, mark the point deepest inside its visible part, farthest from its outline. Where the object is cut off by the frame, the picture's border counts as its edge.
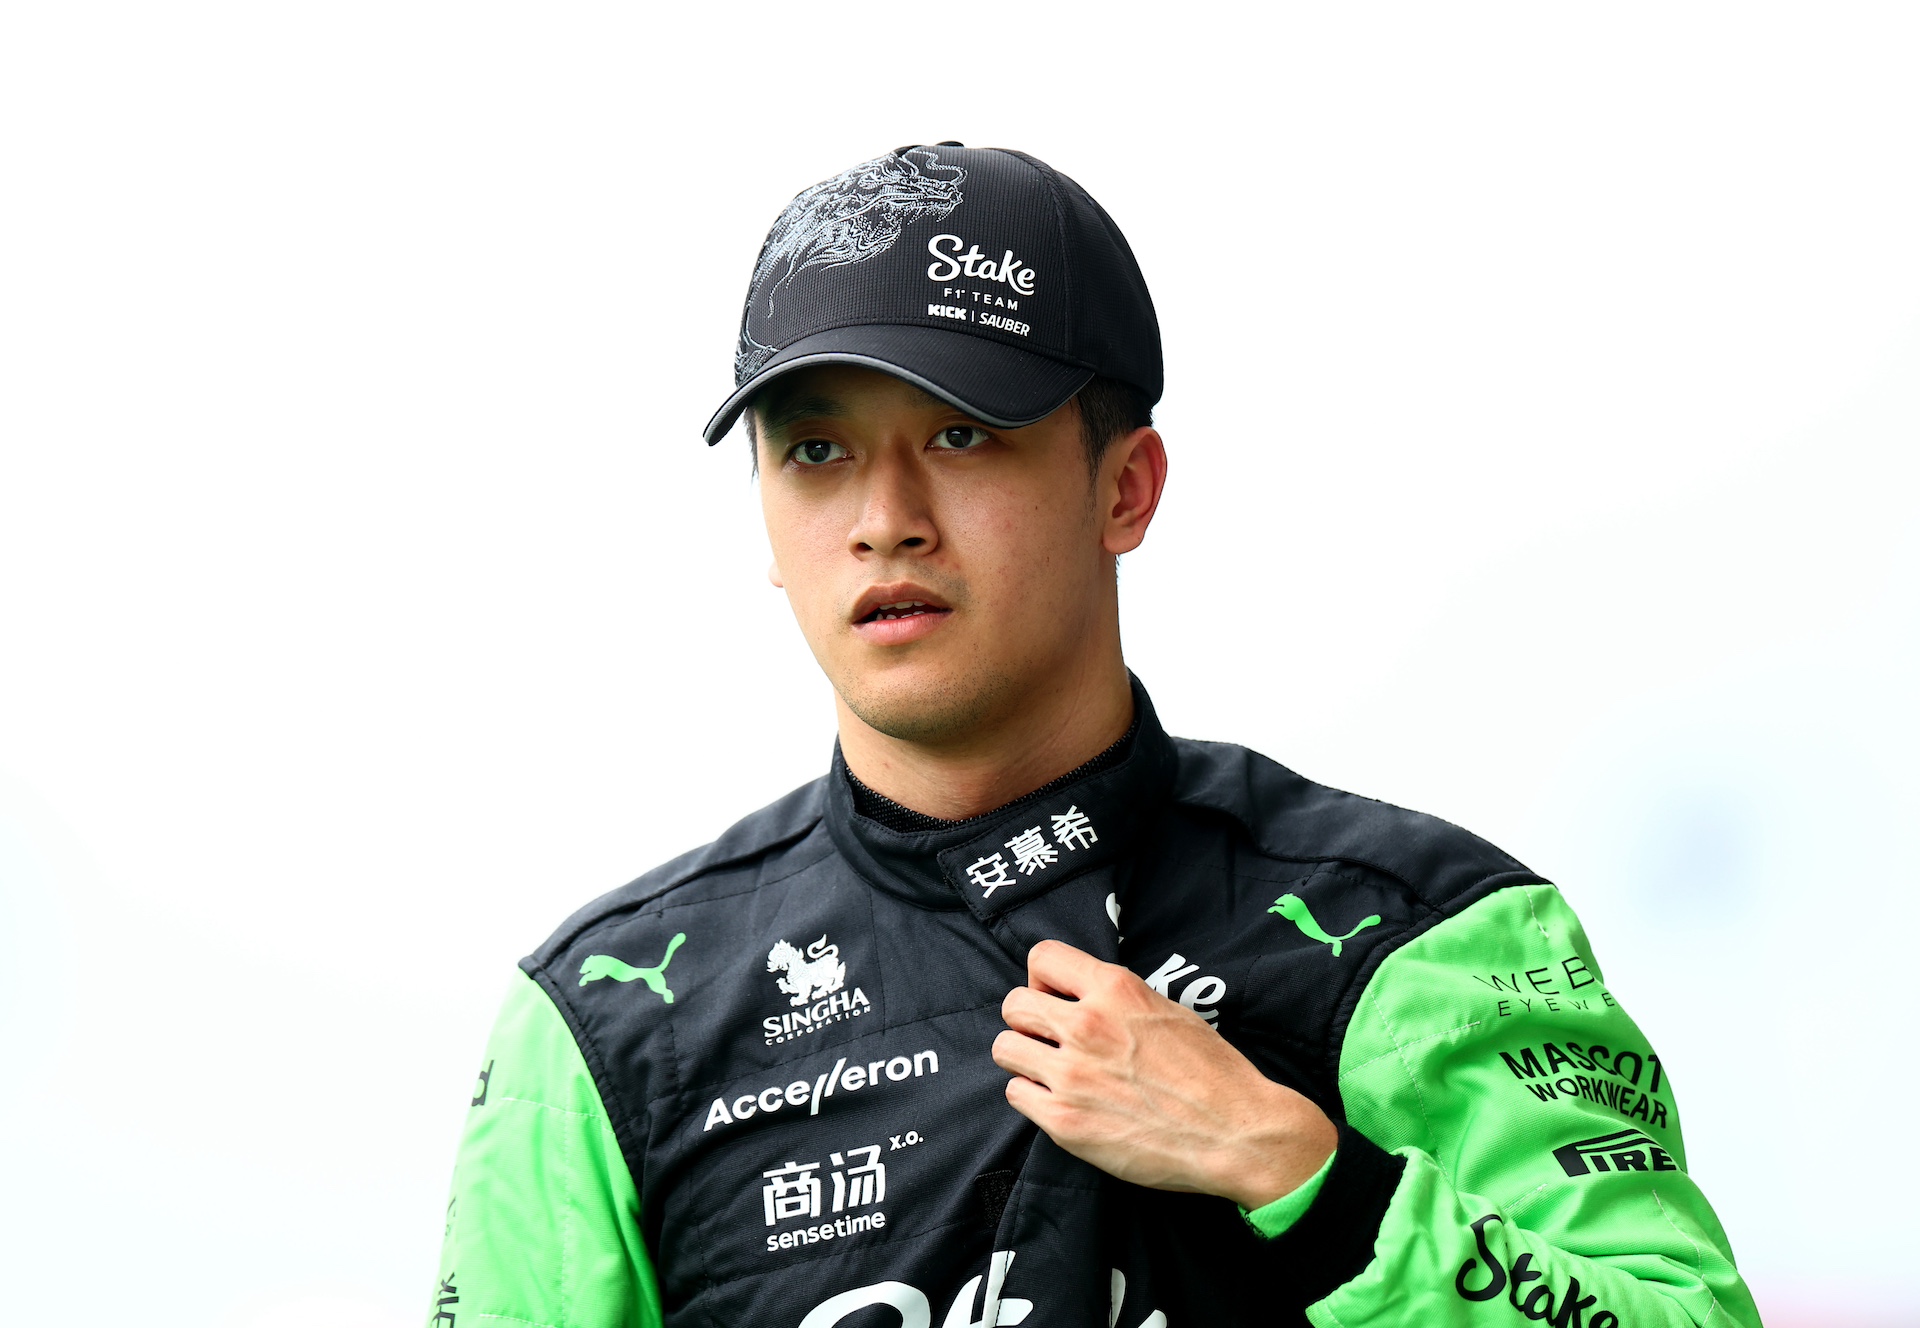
(898, 614)
(905, 608)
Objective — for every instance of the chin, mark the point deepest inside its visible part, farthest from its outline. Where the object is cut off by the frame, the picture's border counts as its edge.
(926, 708)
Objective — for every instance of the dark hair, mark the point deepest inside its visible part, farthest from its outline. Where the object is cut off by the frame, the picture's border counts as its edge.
(1109, 410)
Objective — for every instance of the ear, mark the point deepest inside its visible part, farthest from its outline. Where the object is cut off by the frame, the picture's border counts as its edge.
(1132, 475)
(773, 575)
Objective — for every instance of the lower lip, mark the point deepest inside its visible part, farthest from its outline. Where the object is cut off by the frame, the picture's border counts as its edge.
(899, 631)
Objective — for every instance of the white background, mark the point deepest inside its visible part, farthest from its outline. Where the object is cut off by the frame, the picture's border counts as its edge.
(1543, 393)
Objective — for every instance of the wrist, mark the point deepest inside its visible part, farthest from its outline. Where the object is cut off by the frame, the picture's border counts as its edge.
(1279, 1153)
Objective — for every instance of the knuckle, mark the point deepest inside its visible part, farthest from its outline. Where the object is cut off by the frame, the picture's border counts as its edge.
(1093, 1026)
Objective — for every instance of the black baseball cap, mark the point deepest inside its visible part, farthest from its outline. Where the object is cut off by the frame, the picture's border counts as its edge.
(982, 275)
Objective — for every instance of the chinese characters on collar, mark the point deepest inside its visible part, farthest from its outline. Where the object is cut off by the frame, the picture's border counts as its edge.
(1031, 852)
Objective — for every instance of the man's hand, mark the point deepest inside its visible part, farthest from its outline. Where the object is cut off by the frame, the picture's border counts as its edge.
(1122, 1077)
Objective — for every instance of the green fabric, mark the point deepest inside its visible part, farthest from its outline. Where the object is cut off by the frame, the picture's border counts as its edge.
(1478, 1050)
(543, 1227)
(1277, 1218)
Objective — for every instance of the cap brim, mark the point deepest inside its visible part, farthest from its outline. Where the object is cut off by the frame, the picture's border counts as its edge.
(997, 384)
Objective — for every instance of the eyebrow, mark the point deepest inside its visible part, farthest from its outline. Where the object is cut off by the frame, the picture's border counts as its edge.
(793, 409)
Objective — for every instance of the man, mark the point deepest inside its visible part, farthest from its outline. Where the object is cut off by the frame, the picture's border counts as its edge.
(1027, 1011)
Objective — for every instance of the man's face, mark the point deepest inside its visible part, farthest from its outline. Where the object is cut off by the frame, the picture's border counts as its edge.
(940, 570)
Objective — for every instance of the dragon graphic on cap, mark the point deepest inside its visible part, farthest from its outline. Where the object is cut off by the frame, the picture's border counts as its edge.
(856, 215)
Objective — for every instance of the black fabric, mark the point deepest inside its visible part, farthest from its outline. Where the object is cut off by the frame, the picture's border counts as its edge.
(879, 807)
(1003, 386)
(1332, 1243)
(994, 1188)
(836, 991)
(983, 275)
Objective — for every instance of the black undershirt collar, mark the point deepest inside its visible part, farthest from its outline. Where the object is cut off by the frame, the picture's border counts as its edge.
(879, 807)
(1087, 821)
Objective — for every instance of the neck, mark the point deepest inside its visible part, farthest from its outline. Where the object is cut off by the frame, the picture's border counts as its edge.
(1051, 730)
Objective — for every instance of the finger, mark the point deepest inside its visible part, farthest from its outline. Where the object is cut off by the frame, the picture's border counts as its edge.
(1038, 1014)
(1057, 968)
(1019, 1054)
(1029, 1099)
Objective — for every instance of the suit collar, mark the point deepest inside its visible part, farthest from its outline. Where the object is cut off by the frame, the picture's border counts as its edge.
(994, 864)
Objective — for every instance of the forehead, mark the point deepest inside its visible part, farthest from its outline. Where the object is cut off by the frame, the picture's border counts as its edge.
(837, 390)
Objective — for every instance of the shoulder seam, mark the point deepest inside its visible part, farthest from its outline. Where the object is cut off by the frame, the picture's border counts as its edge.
(1526, 893)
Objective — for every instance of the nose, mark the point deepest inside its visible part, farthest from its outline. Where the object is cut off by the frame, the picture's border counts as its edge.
(895, 516)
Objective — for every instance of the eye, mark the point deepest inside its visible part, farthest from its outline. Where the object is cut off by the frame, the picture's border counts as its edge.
(959, 438)
(816, 452)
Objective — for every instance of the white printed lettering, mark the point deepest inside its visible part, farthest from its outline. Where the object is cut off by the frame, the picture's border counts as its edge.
(949, 263)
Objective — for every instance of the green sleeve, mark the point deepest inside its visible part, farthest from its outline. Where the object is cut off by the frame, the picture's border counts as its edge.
(1277, 1218)
(1545, 1172)
(543, 1227)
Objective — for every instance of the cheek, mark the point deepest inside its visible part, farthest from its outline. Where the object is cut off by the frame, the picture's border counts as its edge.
(805, 545)
(1026, 546)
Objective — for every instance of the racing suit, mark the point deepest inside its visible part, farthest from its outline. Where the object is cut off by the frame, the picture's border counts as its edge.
(754, 1087)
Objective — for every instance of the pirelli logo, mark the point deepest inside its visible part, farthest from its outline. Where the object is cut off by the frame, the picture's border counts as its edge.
(1623, 1150)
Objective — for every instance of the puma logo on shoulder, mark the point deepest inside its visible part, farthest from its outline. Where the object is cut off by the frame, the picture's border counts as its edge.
(1294, 909)
(595, 967)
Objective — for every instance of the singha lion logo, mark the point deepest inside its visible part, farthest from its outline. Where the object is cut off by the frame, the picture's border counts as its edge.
(856, 215)
(819, 972)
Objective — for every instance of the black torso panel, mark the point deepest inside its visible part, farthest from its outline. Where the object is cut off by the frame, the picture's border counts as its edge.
(814, 1122)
